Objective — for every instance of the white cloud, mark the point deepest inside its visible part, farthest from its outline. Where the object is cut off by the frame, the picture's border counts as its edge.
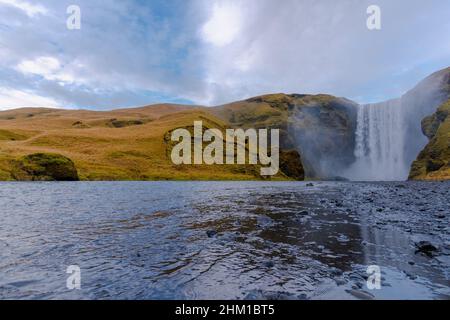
(30, 9)
(309, 46)
(12, 98)
(49, 68)
(224, 24)
(43, 66)
(217, 51)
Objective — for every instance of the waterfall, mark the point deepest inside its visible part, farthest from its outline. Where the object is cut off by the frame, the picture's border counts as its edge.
(380, 144)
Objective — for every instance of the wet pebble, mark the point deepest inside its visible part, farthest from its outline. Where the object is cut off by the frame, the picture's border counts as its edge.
(211, 233)
(340, 281)
(410, 275)
(360, 294)
(426, 247)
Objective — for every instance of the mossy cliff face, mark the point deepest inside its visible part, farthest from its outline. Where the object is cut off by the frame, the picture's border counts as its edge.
(44, 167)
(319, 127)
(420, 102)
(433, 163)
(291, 164)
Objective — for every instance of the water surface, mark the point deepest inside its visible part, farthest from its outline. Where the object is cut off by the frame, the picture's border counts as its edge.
(223, 240)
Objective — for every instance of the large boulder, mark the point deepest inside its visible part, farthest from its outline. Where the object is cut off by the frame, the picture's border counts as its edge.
(44, 167)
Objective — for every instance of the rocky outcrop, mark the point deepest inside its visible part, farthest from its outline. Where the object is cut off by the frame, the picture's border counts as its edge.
(433, 163)
(44, 167)
(122, 123)
(423, 100)
(291, 164)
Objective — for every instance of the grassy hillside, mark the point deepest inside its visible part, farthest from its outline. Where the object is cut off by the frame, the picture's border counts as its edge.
(320, 127)
(433, 163)
(126, 144)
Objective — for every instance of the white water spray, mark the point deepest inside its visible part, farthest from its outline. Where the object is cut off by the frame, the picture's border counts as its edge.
(380, 143)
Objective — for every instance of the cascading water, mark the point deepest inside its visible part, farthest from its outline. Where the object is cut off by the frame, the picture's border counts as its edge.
(380, 144)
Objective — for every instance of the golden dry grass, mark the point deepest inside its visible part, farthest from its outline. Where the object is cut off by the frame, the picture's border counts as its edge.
(101, 151)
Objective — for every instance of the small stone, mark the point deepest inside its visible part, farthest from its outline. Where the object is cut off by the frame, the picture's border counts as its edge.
(211, 233)
(363, 295)
(426, 248)
(409, 275)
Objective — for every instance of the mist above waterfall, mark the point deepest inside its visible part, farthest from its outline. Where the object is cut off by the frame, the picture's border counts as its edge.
(323, 130)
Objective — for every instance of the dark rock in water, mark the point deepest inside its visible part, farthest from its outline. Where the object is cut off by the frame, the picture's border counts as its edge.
(310, 185)
(211, 233)
(45, 167)
(363, 295)
(410, 275)
(303, 213)
(426, 248)
(268, 295)
(357, 286)
(336, 272)
(269, 264)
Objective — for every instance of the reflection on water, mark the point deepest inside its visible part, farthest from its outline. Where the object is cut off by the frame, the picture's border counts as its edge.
(225, 240)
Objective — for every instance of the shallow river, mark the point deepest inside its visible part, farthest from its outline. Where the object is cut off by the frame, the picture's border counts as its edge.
(224, 240)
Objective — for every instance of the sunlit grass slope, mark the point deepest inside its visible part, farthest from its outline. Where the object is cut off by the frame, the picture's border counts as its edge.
(128, 144)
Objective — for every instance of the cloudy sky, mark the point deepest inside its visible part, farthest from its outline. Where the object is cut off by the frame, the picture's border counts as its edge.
(209, 52)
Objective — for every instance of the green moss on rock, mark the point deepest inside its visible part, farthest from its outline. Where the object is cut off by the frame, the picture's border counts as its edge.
(291, 165)
(433, 163)
(44, 167)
